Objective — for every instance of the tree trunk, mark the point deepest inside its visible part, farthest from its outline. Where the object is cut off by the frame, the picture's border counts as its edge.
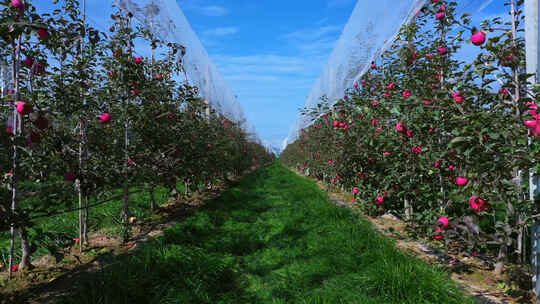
(187, 193)
(520, 243)
(86, 215)
(408, 209)
(500, 259)
(174, 190)
(26, 251)
(11, 249)
(126, 214)
(442, 205)
(81, 219)
(407, 205)
(153, 205)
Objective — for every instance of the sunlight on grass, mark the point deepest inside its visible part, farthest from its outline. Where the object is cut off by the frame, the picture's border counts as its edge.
(272, 239)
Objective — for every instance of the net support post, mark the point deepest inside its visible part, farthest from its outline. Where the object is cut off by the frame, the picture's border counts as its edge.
(532, 50)
(535, 252)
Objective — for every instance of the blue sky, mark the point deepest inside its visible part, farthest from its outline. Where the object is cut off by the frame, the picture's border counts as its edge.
(270, 52)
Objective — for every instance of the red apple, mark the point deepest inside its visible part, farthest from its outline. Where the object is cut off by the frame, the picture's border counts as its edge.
(24, 107)
(42, 33)
(18, 4)
(478, 38)
(444, 221)
(70, 176)
(442, 50)
(461, 181)
(105, 118)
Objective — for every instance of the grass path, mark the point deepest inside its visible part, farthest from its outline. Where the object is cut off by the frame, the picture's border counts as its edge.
(274, 238)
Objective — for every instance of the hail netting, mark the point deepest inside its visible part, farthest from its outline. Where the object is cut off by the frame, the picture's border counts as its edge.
(370, 30)
(170, 24)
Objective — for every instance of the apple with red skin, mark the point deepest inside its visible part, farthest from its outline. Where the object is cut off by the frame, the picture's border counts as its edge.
(443, 220)
(442, 50)
(461, 181)
(478, 38)
(70, 176)
(18, 4)
(24, 107)
(105, 118)
(42, 33)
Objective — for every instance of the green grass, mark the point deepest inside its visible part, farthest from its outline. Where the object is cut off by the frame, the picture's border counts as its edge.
(274, 238)
(51, 234)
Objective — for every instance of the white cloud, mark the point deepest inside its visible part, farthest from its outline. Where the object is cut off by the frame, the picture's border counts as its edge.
(484, 5)
(322, 21)
(317, 42)
(264, 72)
(260, 66)
(251, 78)
(310, 34)
(337, 3)
(221, 31)
(213, 10)
(201, 8)
(285, 79)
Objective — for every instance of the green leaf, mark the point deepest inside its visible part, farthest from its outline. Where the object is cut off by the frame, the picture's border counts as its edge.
(395, 111)
(458, 139)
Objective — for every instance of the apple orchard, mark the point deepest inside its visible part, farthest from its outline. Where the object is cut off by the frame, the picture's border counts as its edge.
(447, 145)
(84, 116)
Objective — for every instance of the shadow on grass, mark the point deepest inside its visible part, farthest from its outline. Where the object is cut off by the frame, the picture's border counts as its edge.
(273, 238)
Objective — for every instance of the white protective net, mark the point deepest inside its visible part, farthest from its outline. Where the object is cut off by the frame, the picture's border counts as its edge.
(372, 27)
(166, 20)
(170, 24)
